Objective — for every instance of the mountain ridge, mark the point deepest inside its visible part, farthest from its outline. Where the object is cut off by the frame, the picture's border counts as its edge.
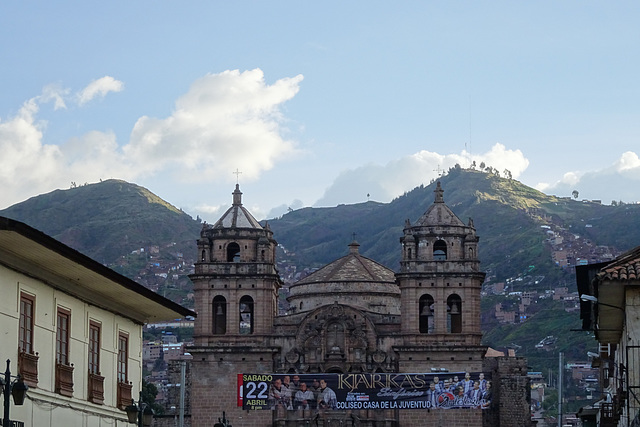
(106, 220)
(521, 231)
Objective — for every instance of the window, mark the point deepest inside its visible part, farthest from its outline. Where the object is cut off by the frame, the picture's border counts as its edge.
(219, 315)
(440, 251)
(62, 336)
(94, 348)
(233, 252)
(123, 357)
(64, 370)
(25, 339)
(27, 357)
(425, 306)
(246, 315)
(124, 387)
(95, 380)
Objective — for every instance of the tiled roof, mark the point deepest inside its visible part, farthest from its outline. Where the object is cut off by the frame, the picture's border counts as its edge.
(237, 216)
(625, 267)
(438, 213)
(351, 268)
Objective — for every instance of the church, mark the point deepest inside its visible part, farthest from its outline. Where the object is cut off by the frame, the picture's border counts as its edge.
(353, 318)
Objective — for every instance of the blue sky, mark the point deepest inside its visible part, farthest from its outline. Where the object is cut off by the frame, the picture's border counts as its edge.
(317, 103)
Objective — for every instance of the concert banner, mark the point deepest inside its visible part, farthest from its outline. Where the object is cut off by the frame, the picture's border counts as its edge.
(326, 391)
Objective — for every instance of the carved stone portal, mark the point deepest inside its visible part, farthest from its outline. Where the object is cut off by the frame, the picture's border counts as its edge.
(335, 338)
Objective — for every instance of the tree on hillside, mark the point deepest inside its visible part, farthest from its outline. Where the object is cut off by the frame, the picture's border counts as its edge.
(575, 194)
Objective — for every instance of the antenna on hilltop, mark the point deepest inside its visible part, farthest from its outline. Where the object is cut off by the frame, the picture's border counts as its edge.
(469, 147)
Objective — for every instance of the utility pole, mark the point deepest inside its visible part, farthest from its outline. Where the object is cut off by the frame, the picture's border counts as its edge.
(560, 380)
(183, 369)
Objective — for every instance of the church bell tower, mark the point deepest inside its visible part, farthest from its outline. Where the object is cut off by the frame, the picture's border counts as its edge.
(440, 282)
(235, 280)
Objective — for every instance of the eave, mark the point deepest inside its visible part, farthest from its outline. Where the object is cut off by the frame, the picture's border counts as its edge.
(35, 254)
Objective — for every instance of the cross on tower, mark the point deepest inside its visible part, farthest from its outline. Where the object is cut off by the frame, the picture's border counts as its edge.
(237, 173)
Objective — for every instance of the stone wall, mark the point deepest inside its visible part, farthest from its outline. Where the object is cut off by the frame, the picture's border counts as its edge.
(511, 397)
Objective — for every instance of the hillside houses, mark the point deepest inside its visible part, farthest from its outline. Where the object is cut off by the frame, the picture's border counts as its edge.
(569, 249)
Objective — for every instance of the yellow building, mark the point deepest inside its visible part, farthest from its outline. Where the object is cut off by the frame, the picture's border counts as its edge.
(72, 328)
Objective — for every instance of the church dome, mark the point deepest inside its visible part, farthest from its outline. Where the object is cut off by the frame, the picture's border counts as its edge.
(353, 279)
(237, 216)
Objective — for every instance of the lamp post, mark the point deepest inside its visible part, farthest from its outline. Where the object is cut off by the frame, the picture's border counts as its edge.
(591, 298)
(140, 414)
(17, 389)
(222, 422)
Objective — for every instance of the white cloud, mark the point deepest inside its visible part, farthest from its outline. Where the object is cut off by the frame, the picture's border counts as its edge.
(100, 87)
(283, 209)
(628, 161)
(500, 158)
(618, 181)
(210, 211)
(226, 121)
(383, 183)
(55, 93)
(26, 165)
(94, 156)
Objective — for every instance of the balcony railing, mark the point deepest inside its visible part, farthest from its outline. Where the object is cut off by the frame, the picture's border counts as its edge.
(124, 394)
(28, 368)
(64, 379)
(96, 389)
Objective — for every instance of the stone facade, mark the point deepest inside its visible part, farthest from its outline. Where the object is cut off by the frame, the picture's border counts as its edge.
(353, 315)
(512, 396)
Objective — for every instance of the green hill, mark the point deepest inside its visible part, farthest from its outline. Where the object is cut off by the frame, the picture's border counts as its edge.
(107, 220)
(508, 217)
(111, 219)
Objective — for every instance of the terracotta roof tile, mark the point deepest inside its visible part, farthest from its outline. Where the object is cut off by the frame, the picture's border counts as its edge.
(626, 267)
(352, 267)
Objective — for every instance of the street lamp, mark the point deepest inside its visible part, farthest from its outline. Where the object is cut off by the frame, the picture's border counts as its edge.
(222, 422)
(591, 298)
(17, 389)
(140, 414)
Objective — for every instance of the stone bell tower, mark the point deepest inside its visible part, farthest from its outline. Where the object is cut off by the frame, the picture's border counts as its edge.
(440, 281)
(235, 291)
(235, 279)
